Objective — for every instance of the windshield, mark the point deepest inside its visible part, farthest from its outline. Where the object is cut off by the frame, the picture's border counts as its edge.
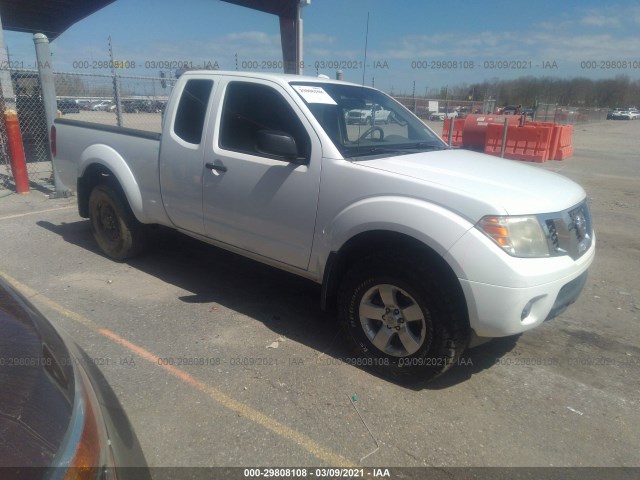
(363, 122)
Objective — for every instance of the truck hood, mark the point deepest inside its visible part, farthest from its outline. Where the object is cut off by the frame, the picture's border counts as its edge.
(503, 186)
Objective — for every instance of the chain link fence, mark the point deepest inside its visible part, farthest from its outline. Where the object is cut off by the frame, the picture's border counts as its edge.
(33, 126)
(6, 94)
(544, 112)
(6, 179)
(26, 100)
(127, 101)
(423, 107)
(552, 112)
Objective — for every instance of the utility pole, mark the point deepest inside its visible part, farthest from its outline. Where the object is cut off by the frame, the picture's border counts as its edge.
(48, 92)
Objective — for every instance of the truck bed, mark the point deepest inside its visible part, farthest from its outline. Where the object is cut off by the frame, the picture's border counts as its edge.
(131, 154)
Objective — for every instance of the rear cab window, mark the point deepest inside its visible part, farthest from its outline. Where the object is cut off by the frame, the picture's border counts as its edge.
(192, 110)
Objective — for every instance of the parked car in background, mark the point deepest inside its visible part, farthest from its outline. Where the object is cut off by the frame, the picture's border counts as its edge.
(508, 110)
(136, 106)
(423, 112)
(443, 115)
(529, 112)
(463, 112)
(617, 114)
(625, 114)
(57, 412)
(68, 106)
(160, 105)
(368, 115)
(83, 104)
(101, 106)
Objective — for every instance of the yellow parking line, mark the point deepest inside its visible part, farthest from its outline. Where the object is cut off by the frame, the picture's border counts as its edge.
(18, 215)
(223, 399)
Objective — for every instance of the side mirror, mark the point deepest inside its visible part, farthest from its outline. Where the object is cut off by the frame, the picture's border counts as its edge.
(278, 144)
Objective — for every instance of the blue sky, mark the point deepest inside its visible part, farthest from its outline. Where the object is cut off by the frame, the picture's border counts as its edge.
(432, 43)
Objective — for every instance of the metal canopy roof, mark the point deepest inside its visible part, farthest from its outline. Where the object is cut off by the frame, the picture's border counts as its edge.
(51, 17)
(281, 8)
(290, 27)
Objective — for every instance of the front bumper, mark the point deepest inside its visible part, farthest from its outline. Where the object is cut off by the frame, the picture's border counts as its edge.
(511, 295)
(567, 295)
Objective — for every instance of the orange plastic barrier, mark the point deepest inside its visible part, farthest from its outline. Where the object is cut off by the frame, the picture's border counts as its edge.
(458, 126)
(474, 135)
(529, 143)
(564, 147)
(561, 146)
(534, 142)
(555, 134)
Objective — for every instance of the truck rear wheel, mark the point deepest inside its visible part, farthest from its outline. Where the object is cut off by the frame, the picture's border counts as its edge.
(401, 317)
(115, 228)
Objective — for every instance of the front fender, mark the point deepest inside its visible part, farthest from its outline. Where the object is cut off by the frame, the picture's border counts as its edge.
(108, 157)
(431, 224)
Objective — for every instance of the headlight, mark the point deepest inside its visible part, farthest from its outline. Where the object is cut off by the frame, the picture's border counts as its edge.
(518, 236)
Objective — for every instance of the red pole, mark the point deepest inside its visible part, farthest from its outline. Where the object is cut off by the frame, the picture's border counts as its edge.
(16, 152)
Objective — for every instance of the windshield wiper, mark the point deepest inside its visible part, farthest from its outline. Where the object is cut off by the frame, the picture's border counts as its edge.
(402, 149)
(424, 146)
(364, 151)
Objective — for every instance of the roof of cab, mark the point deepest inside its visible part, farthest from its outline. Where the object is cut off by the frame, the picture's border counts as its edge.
(278, 77)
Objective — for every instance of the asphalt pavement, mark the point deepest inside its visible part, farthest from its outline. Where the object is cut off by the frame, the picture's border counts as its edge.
(221, 361)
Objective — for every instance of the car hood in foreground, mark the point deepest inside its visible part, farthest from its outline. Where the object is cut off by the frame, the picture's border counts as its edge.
(36, 374)
(41, 373)
(509, 186)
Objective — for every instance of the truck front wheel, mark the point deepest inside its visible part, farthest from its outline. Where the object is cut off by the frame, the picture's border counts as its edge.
(401, 318)
(117, 231)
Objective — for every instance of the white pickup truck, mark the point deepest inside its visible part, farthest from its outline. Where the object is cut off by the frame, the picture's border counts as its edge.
(421, 249)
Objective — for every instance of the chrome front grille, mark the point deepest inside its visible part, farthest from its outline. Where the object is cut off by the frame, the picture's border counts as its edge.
(569, 232)
(552, 233)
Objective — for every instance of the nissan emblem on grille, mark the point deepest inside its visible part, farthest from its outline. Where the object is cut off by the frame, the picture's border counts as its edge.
(579, 224)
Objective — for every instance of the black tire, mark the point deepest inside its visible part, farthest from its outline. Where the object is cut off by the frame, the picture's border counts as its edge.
(115, 228)
(419, 285)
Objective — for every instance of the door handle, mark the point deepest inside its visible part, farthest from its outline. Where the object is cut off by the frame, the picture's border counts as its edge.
(212, 166)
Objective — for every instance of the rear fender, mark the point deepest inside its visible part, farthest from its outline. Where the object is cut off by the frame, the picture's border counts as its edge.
(109, 158)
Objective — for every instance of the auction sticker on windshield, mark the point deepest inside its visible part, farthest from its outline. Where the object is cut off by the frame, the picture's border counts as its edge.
(314, 94)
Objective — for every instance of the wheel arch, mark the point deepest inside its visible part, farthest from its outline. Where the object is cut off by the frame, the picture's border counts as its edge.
(94, 175)
(370, 243)
(100, 164)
